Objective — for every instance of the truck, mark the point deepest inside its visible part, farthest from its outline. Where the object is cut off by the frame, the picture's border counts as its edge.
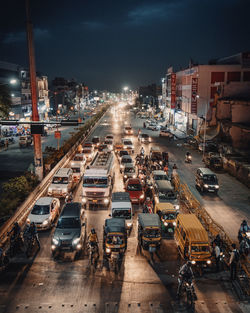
(98, 180)
(121, 207)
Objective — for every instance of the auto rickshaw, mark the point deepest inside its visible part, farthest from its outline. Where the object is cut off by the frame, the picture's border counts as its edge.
(118, 147)
(149, 231)
(167, 213)
(114, 242)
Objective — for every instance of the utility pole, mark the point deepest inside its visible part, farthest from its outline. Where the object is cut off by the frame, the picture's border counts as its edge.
(38, 156)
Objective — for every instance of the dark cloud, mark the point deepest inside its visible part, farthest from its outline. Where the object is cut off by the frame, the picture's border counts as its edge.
(111, 43)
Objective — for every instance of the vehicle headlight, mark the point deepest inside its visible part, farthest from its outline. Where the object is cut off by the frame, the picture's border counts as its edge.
(216, 186)
(206, 186)
(174, 223)
(193, 262)
(84, 200)
(55, 241)
(125, 176)
(108, 250)
(134, 176)
(141, 196)
(208, 261)
(165, 223)
(160, 162)
(106, 201)
(76, 241)
(46, 222)
(28, 220)
(177, 207)
(129, 224)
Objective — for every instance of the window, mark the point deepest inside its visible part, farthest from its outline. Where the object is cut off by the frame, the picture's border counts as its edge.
(246, 76)
(217, 77)
(233, 76)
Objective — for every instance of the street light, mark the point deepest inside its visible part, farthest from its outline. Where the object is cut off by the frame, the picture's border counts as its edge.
(205, 126)
(11, 82)
(125, 88)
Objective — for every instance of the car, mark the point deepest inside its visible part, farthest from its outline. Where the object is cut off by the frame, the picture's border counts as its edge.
(144, 138)
(126, 159)
(109, 143)
(165, 132)
(44, 212)
(135, 189)
(109, 136)
(88, 153)
(206, 181)
(88, 144)
(96, 141)
(130, 171)
(159, 175)
(121, 153)
(70, 230)
(210, 146)
(153, 126)
(128, 130)
(128, 145)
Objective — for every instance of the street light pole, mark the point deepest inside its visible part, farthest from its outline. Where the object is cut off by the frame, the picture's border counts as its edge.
(38, 156)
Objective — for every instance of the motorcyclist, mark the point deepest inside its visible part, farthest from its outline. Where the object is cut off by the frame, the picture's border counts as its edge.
(31, 232)
(185, 274)
(142, 151)
(244, 228)
(188, 157)
(244, 247)
(148, 205)
(93, 239)
(15, 231)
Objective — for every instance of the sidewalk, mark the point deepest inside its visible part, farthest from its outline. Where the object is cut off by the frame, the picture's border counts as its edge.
(177, 133)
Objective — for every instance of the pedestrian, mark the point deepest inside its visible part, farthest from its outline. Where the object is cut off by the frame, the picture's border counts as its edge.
(139, 131)
(6, 144)
(166, 169)
(233, 262)
(216, 253)
(144, 125)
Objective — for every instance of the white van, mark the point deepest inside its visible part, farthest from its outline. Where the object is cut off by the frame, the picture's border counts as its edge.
(121, 207)
(62, 183)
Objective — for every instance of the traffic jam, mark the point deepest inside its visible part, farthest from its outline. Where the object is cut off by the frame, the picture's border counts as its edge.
(148, 203)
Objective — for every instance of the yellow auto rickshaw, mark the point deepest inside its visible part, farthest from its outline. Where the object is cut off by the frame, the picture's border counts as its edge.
(168, 214)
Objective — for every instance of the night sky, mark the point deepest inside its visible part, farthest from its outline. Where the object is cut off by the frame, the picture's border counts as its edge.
(109, 44)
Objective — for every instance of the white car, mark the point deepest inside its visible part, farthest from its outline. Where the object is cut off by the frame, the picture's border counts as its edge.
(128, 145)
(165, 132)
(144, 138)
(109, 143)
(128, 130)
(44, 212)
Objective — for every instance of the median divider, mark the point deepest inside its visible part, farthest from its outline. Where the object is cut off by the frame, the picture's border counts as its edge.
(23, 210)
(189, 201)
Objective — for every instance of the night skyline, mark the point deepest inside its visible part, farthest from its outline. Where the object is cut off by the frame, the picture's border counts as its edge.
(112, 44)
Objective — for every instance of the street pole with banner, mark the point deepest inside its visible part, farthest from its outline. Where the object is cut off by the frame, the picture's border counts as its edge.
(38, 156)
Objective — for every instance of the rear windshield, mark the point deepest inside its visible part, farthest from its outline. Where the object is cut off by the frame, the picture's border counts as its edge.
(145, 135)
(160, 177)
(123, 152)
(125, 213)
(127, 160)
(76, 169)
(151, 233)
(95, 140)
(127, 142)
(68, 222)
(200, 248)
(128, 128)
(134, 187)
(78, 158)
(129, 170)
(87, 151)
(40, 210)
(60, 180)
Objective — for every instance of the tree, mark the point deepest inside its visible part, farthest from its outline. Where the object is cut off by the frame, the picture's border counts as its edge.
(5, 101)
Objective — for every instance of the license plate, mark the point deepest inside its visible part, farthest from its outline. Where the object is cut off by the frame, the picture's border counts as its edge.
(170, 230)
(95, 201)
(210, 190)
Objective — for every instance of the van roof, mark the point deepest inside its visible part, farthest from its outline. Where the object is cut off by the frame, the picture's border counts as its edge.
(206, 171)
(63, 172)
(193, 228)
(164, 185)
(120, 197)
(72, 209)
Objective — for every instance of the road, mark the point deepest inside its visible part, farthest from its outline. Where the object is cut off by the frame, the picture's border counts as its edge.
(44, 285)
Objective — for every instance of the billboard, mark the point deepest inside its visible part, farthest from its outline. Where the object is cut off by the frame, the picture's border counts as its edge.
(173, 90)
(194, 95)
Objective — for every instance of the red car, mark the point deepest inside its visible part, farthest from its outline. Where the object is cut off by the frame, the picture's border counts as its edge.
(135, 189)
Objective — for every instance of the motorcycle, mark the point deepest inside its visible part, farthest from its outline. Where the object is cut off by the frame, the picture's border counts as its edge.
(16, 244)
(148, 206)
(93, 254)
(188, 288)
(30, 243)
(188, 158)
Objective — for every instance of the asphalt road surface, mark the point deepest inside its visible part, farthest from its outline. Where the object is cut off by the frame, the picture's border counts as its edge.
(42, 284)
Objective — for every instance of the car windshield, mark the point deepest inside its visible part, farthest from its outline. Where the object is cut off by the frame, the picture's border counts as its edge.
(68, 222)
(127, 160)
(169, 216)
(76, 169)
(109, 137)
(60, 180)
(210, 179)
(95, 140)
(78, 158)
(128, 128)
(134, 187)
(123, 152)
(40, 210)
(129, 170)
(160, 177)
(128, 143)
(200, 248)
(115, 239)
(152, 232)
(124, 213)
(108, 142)
(167, 195)
(144, 135)
(156, 155)
(90, 181)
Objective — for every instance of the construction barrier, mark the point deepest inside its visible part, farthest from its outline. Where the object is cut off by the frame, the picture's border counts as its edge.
(190, 203)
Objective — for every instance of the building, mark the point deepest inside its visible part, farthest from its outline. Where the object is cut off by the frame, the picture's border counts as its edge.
(149, 94)
(191, 92)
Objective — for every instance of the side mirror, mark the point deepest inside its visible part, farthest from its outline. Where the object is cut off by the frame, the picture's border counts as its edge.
(110, 215)
(83, 224)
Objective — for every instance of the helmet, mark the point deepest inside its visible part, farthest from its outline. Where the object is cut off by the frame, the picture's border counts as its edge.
(189, 263)
(93, 231)
(16, 224)
(244, 222)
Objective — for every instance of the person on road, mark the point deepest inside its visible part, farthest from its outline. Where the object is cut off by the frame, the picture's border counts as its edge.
(31, 232)
(15, 231)
(92, 237)
(142, 151)
(216, 253)
(185, 274)
(233, 262)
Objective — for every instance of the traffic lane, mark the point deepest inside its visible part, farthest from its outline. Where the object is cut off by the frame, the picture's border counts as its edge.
(230, 207)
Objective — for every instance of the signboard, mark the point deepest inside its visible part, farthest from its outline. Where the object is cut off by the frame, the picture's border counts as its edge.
(194, 95)
(173, 90)
(57, 134)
